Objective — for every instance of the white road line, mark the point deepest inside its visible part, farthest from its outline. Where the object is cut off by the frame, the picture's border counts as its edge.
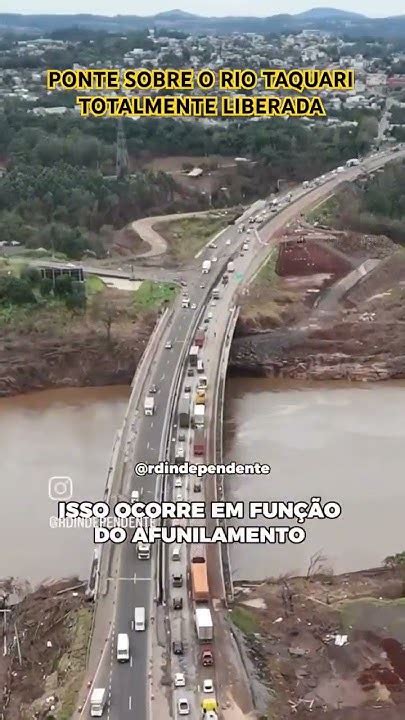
(130, 661)
(147, 444)
(151, 424)
(130, 703)
(163, 377)
(134, 578)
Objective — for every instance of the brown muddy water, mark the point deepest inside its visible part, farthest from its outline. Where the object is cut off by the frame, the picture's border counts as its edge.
(67, 433)
(339, 442)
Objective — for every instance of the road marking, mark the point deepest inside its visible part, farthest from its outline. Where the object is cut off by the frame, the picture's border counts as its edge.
(138, 579)
(134, 578)
(163, 377)
(151, 423)
(130, 703)
(147, 445)
(130, 662)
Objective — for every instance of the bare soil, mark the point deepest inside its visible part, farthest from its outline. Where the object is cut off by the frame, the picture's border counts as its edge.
(47, 636)
(296, 653)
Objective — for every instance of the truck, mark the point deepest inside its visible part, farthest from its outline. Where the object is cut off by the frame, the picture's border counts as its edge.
(143, 551)
(352, 162)
(199, 338)
(97, 702)
(199, 440)
(193, 355)
(149, 407)
(200, 397)
(230, 267)
(199, 582)
(185, 302)
(216, 294)
(184, 413)
(204, 624)
(206, 266)
(225, 279)
(202, 382)
(199, 416)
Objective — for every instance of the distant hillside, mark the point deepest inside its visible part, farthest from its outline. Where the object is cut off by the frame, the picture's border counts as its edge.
(329, 19)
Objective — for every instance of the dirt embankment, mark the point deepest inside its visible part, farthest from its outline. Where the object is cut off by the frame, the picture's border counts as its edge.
(46, 642)
(79, 356)
(328, 647)
(281, 331)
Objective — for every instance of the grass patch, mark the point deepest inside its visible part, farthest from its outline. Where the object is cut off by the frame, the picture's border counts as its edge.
(244, 620)
(185, 237)
(326, 213)
(73, 663)
(152, 296)
(94, 284)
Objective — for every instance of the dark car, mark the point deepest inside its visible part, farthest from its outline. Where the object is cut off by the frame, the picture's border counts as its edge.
(178, 647)
(177, 580)
(177, 603)
(182, 437)
(197, 486)
(190, 372)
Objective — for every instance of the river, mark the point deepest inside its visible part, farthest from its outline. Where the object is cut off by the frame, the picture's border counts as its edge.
(66, 433)
(344, 443)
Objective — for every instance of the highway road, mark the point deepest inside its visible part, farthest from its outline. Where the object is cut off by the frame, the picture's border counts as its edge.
(128, 684)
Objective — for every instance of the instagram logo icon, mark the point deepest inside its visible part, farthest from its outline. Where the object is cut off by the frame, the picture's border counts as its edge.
(60, 488)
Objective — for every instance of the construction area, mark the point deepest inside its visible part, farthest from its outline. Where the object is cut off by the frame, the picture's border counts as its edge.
(327, 647)
(45, 640)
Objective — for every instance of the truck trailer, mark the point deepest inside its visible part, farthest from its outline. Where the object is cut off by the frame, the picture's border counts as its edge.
(199, 416)
(199, 441)
(184, 412)
(98, 701)
(149, 407)
(199, 582)
(204, 624)
(199, 338)
(193, 355)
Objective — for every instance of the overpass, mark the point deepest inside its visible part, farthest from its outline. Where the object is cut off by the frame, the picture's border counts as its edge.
(126, 581)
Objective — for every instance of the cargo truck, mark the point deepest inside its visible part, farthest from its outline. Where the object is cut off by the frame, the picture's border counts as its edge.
(230, 267)
(352, 162)
(200, 397)
(199, 416)
(202, 382)
(149, 407)
(97, 702)
(199, 338)
(206, 266)
(216, 293)
(193, 355)
(199, 581)
(184, 413)
(204, 624)
(199, 440)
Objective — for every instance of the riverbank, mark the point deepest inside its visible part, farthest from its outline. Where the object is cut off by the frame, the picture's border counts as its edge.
(325, 644)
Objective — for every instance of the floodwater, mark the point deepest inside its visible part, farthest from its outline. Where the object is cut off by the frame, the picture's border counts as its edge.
(67, 433)
(338, 442)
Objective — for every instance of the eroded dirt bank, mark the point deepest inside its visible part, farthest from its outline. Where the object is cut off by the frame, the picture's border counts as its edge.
(327, 645)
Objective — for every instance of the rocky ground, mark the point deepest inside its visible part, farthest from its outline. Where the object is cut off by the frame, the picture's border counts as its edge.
(283, 332)
(328, 647)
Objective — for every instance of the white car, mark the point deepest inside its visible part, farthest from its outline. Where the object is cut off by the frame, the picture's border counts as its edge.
(177, 482)
(214, 259)
(179, 496)
(193, 306)
(213, 303)
(228, 242)
(134, 496)
(210, 316)
(212, 245)
(179, 680)
(168, 345)
(183, 707)
(208, 686)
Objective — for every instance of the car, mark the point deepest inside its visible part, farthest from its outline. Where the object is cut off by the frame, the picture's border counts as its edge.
(187, 389)
(210, 316)
(153, 390)
(179, 680)
(177, 580)
(179, 496)
(177, 603)
(193, 306)
(208, 686)
(242, 254)
(213, 303)
(134, 496)
(228, 242)
(212, 245)
(215, 259)
(183, 283)
(183, 707)
(177, 482)
(190, 372)
(178, 647)
(168, 345)
(182, 437)
(202, 286)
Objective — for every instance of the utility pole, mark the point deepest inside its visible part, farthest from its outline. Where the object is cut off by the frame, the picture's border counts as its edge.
(122, 153)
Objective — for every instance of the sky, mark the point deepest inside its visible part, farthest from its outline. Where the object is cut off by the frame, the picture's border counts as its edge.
(371, 8)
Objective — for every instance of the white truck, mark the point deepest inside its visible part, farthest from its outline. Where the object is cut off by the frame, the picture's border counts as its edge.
(185, 302)
(204, 624)
(199, 415)
(230, 267)
(97, 702)
(352, 162)
(149, 407)
(143, 551)
(216, 293)
(206, 266)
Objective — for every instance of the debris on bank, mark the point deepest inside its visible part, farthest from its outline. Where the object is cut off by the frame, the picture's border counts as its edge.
(332, 646)
(45, 637)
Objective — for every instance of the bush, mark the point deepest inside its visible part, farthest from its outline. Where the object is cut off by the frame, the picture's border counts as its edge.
(15, 291)
(63, 286)
(31, 274)
(45, 287)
